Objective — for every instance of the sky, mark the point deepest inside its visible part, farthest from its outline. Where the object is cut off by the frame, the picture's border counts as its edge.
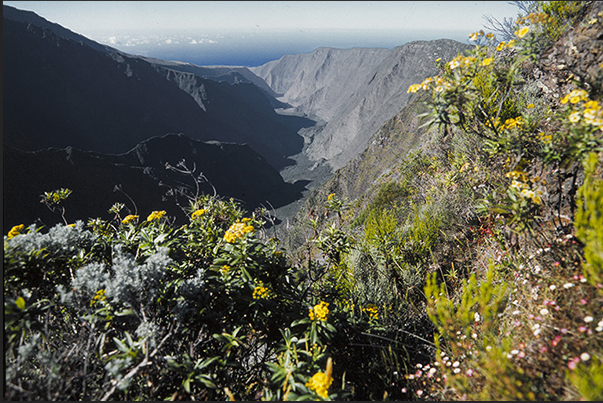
(250, 33)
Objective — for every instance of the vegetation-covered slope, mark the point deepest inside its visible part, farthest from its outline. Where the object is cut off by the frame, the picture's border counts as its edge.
(471, 270)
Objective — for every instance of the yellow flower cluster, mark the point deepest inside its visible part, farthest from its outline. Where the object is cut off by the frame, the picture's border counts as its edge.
(503, 45)
(321, 381)
(509, 123)
(100, 296)
(319, 312)
(237, 230)
(590, 112)
(439, 83)
(533, 18)
(198, 213)
(129, 218)
(545, 138)
(260, 292)
(520, 184)
(372, 310)
(16, 230)
(461, 61)
(156, 215)
(225, 269)
(476, 35)
(575, 96)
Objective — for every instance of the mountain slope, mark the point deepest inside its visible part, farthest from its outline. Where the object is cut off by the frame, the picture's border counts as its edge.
(66, 93)
(319, 82)
(142, 174)
(380, 96)
(355, 91)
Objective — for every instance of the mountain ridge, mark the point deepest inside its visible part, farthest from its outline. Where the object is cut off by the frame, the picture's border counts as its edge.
(141, 174)
(364, 101)
(110, 101)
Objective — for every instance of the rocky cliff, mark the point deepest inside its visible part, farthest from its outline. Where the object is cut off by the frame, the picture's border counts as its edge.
(355, 91)
(318, 83)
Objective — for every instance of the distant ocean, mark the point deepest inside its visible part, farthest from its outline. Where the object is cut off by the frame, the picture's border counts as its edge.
(256, 48)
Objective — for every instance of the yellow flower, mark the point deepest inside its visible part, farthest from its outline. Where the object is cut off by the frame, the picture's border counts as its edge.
(372, 310)
(16, 230)
(260, 292)
(198, 213)
(333, 194)
(487, 61)
(511, 43)
(414, 88)
(574, 117)
(592, 105)
(530, 106)
(426, 82)
(237, 230)
(575, 96)
(320, 311)
(522, 32)
(321, 381)
(500, 46)
(129, 218)
(100, 296)
(225, 269)
(473, 36)
(156, 215)
(454, 64)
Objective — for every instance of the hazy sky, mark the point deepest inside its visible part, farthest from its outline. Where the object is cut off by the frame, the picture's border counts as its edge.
(156, 28)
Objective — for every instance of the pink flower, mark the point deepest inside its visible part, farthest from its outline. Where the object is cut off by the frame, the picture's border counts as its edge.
(556, 341)
(469, 372)
(582, 329)
(573, 363)
(564, 331)
(583, 301)
(544, 349)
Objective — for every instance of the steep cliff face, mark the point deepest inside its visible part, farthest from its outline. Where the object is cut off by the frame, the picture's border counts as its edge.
(318, 83)
(355, 91)
(380, 97)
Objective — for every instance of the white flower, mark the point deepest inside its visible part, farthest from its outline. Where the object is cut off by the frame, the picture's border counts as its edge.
(568, 285)
(544, 311)
(553, 287)
(588, 319)
(456, 364)
(585, 356)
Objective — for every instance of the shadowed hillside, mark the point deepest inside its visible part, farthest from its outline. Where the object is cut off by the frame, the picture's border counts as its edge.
(65, 93)
(233, 170)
